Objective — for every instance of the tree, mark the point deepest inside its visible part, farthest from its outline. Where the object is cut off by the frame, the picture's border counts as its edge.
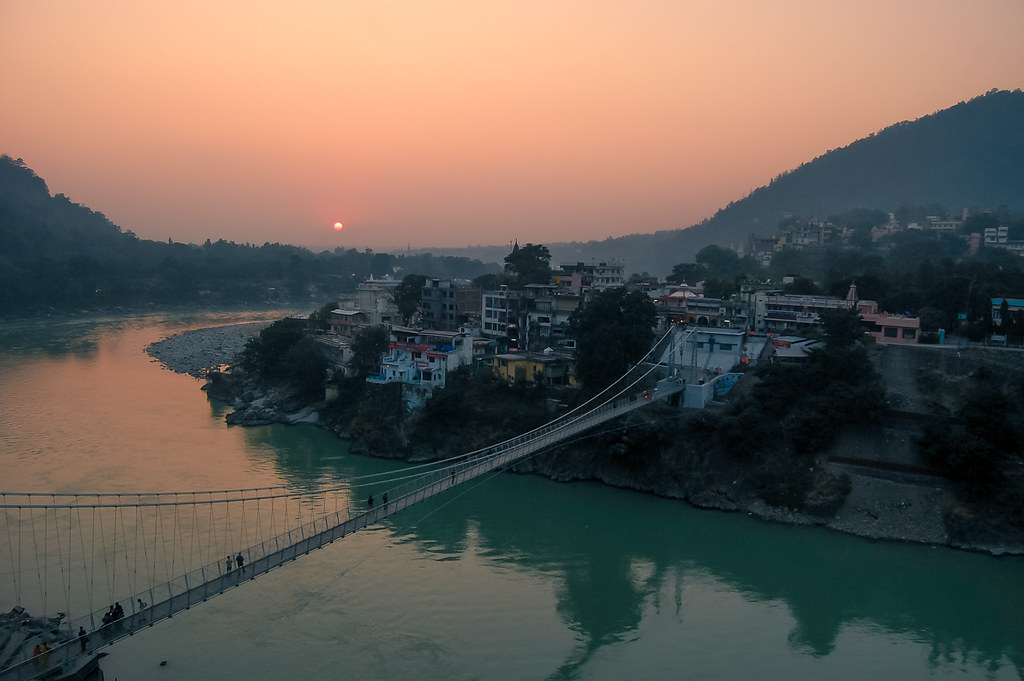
(801, 286)
(686, 273)
(719, 268)
(306, 366)
(367, 347)
(720, 263)
(265, 353)
(529, 264)
(613, 330)
(488, 282)
(979, 222)
(320, 318)
(841, 327)
(408, 294)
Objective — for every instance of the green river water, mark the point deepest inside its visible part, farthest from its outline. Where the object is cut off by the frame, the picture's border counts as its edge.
(514, 578)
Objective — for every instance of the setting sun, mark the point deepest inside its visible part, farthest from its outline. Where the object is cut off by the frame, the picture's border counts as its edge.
(338, 226)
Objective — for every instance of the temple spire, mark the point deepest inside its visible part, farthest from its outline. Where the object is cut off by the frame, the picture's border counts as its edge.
(851, 295)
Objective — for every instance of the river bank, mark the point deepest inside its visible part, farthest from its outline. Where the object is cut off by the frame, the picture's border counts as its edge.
(196, 352)
(882, 504)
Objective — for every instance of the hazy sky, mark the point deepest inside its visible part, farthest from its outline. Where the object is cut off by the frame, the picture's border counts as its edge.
(449, 123)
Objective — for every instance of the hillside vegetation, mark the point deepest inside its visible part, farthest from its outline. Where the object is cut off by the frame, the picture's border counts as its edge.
(970, 155)
(57, 255)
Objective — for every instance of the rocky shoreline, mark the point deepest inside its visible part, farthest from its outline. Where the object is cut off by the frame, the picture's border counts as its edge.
(196, 352)
(881, 505)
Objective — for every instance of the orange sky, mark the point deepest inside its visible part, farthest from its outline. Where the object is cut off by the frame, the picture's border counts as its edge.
(450, 123)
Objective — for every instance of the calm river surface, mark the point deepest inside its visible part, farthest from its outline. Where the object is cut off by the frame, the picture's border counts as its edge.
(516, 578)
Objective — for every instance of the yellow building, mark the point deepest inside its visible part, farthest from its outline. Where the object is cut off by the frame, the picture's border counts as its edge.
(544, 368)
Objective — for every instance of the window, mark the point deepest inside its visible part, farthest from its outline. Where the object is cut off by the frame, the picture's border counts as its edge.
(910, 333)
(890, 332)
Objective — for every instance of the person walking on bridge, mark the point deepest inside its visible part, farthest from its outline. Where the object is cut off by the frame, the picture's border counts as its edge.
(240, 561)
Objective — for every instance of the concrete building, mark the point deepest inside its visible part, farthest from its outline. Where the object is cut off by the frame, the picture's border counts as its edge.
(375, 299)
(1014, 306)
(792, 349)
(808, 234)
(704, 353)
(547, 368)
(888, 329)
(422, 358)
(775, 312)
(494, 313)
(438, 303)
(346, 323)
(580, 277)
(684, 304)
(531, 318)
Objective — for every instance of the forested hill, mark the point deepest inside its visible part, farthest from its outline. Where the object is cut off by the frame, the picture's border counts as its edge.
(58, 256)
(968, 156)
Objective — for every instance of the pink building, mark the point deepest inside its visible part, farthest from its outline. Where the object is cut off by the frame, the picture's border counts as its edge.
(884, 327)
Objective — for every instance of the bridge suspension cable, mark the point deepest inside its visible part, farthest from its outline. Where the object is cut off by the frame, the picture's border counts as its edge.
(160, 552)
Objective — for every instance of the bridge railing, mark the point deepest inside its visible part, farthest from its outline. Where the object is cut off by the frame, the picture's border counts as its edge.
(508, 452)
(163, 600)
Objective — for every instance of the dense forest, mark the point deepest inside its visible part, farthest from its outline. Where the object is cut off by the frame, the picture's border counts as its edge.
(58, 255)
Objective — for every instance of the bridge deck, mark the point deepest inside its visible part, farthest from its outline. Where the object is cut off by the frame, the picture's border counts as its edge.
(199, 585)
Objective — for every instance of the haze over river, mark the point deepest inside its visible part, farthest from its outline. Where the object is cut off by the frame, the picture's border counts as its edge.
(515, 578)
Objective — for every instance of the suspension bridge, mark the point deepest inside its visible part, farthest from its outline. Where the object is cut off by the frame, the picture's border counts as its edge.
(100, 567)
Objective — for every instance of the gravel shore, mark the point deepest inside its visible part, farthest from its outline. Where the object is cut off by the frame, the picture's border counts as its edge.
(194, 352)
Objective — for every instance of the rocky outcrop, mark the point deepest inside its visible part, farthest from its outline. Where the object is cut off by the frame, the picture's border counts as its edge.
(258, 404)
(20, 633)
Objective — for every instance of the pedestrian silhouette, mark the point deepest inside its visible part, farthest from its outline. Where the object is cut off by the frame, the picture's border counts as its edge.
(240, 561)
(369, 502)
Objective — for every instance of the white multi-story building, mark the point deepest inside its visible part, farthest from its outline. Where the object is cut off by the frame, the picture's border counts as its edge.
(423, 358)
(777, 311)
(531, 318)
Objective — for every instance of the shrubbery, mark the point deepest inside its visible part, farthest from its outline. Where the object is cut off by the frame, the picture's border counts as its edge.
(477, 411)
(977, 444)
(283, 352)
(791, 414)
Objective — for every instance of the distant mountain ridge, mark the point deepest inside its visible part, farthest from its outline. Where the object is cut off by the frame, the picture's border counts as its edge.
(969, 155)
